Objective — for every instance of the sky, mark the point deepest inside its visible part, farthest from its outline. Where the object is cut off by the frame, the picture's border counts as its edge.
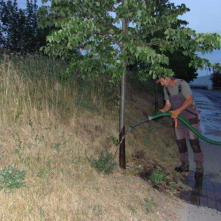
(204, 17)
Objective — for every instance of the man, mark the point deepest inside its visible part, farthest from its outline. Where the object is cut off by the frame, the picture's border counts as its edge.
(178, 96)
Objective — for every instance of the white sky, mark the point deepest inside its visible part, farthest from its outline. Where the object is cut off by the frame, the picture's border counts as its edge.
(204, 16)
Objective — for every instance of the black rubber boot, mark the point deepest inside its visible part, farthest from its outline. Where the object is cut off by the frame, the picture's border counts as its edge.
(199, 172)
(182, 168)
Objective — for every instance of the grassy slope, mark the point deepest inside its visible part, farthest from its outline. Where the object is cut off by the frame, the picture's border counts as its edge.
(46, 127)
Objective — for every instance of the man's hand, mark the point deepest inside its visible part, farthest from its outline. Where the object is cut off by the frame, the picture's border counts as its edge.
(174, 115)
(160, 111)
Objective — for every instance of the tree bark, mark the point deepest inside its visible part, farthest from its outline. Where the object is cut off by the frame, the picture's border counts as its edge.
(122, 156)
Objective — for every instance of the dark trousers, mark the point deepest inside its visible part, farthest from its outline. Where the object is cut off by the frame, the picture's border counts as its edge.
(183, 133)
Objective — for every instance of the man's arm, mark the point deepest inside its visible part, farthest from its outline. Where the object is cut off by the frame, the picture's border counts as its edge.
(185, 105)
(166, 107)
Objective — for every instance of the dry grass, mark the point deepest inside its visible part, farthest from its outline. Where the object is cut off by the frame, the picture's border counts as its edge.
(45, 132)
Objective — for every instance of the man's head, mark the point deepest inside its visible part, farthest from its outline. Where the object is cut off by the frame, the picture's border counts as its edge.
(164, 81)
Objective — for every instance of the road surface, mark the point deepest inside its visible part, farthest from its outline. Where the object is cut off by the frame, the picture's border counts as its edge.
(207, 196)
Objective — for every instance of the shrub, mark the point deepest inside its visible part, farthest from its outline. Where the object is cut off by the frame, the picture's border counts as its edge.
(11, 178)
(157, 178)
(105, 162)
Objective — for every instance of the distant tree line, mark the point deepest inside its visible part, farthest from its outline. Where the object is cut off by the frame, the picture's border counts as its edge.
(216, 76)
(19, 30)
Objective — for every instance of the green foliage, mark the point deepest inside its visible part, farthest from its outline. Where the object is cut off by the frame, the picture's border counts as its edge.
(85, 104)
(146, 140)
(117, 101)
(42, 173)
(19, 28)
(179, 63)
(115, 140)
(216, 76)
(58, 147)
(157, 178)
(105, 162)
(19, 113)
(149, 204)
(94, 30)
(216, 79)
(1, 153)
(11, 178)
(172, 186)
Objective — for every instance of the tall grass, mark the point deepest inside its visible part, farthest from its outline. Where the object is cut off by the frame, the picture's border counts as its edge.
(47, 122)
(35, 82)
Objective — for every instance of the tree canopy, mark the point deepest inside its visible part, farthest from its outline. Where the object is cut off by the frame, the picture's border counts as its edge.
(151, 36)
(19, 30)
(216, 76)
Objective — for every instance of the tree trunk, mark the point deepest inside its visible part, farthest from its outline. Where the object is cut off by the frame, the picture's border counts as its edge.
(122, 157)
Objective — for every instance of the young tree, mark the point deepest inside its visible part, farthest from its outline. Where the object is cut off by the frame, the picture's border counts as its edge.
(93, 25)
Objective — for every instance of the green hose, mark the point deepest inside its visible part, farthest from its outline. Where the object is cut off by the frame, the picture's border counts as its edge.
(188, 125)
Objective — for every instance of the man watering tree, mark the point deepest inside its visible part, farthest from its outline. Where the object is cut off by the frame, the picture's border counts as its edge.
(178, 96)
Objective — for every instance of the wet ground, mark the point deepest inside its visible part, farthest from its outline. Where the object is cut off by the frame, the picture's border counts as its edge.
(206, 192)
(209, 105)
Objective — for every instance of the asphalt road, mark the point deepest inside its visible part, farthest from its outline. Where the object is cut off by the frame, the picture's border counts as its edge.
(214, 96)
(209, 106)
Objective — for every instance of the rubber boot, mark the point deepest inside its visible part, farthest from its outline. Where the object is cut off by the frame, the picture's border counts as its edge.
(183, 168)
(198, 157)
(184, 156)
(199, 172)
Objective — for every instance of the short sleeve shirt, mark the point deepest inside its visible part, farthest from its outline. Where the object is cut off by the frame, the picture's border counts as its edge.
(185, 89)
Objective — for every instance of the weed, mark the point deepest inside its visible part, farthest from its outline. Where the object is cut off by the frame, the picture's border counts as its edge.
(85, 104)
(149, 204)
(132, 208)
(11, 178)
(146, 140)
(97, 209)
(41, 213)
(42, 173)
(115, 140)
(30, 122)
(152, 111)
(172, 186)
(117, 101)
(38, 158)
(77, 161)
(157, 178)
(105, 162)
(1, 153)
(18, 114)
(25, 161)
(57, 146)
(39, 138)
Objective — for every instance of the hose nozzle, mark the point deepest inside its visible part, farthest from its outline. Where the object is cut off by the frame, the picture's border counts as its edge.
(150, 118)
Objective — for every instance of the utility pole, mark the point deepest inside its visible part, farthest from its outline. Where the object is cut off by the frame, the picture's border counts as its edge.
(122, 156)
